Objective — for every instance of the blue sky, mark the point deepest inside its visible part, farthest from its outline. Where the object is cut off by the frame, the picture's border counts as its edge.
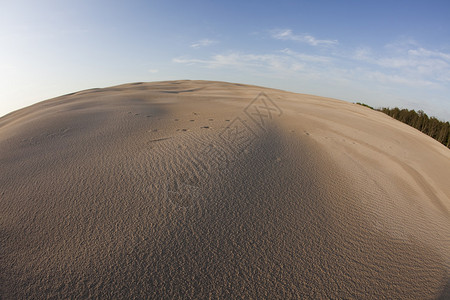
(384, 53)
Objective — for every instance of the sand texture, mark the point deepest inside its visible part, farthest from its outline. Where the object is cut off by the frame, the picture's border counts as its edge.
(200, 189)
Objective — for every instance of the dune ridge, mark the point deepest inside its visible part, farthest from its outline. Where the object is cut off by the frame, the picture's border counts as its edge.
(201, 189)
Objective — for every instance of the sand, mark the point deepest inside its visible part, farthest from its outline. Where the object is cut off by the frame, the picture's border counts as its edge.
(200, 189)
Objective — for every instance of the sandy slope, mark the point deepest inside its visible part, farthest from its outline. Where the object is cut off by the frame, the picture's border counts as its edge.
(190, 189)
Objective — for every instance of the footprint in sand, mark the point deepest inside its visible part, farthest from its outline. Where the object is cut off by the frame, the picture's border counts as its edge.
(183, 189)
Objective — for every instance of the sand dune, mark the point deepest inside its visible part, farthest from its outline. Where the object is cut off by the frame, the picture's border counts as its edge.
(199, 189)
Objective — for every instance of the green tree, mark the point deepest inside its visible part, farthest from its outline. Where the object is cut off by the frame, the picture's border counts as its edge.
(431, 126)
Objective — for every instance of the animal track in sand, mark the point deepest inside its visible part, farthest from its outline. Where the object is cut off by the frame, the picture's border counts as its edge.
(160, 139)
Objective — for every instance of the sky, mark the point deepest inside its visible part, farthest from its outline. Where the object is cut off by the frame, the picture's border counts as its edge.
(383, 53)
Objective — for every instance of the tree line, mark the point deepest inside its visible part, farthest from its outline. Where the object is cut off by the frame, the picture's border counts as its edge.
(431, 126)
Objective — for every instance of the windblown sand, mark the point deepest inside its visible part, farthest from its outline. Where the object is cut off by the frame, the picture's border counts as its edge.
(198, 189)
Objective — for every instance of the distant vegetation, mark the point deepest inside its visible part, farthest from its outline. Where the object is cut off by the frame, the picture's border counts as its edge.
(435, 128)
(363, 104)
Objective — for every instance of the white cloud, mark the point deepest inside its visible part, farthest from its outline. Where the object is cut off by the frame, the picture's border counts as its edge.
(287, 34)
(420, 65)
(286, 61)
(307, 57)
(203, 43)
(421, 52)
(235, 60)
(398, 79)
(363, 53)
(401, 45)
(283, 60)
(153, 71)
(219, 60)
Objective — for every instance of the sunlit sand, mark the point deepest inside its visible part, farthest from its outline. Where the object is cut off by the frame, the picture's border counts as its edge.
(199, 189)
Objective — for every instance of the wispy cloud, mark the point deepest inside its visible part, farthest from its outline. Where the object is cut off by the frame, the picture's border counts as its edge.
(219, 60)
(307, 57)
(421, 52)
(398, 63)
(203, 43)
(233, 59)
(420, 65)
(398, 79)
(362, 53)
(401, 44)
(284, 60)
(397, 70)
(287, 34)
